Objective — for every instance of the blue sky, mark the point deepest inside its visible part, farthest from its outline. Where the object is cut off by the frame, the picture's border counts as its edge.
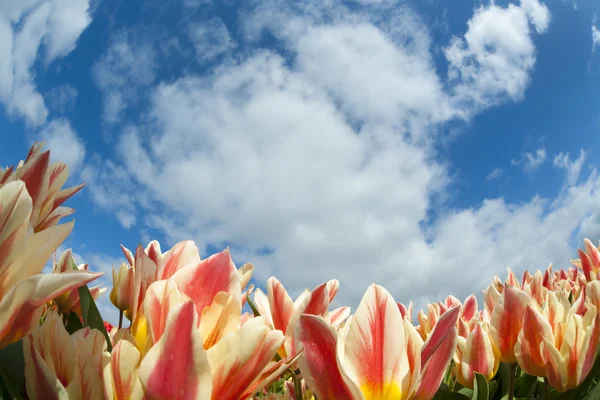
(425, 146)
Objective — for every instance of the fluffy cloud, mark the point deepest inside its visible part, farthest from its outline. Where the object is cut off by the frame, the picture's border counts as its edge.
(24, 27)
(63, 142)
(531, 161)
(494, 60)
(573, 168)
(321, 164)
(128, 66)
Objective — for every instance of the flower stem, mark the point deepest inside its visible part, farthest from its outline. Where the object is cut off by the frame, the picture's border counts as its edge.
(511, 381)
(120, 319)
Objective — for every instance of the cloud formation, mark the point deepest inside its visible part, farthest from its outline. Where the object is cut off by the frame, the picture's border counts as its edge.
(25, 28)
(316, 159)
(530, 161)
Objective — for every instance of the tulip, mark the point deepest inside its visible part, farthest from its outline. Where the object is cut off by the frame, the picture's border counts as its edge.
(23, 289)
(506, 321)
(121, 294)
(58, 365)
(283, 314)
(476, 353)
(69, 301)
(43, 182)
(174, 362)
(380, 356)
(589, 261)
(559, 343)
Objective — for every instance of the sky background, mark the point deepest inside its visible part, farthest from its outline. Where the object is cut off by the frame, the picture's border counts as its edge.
(422, 145)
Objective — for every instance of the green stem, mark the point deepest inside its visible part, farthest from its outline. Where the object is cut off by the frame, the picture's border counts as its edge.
(297, 387)
(511, 381)
(546, 388)
(120, 319)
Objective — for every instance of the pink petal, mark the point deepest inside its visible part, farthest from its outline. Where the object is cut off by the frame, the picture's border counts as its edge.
(238, 359)
(202, 281)
(176, 367)
(280, 304)
(372, 354)
(318, 361)
(21, 307)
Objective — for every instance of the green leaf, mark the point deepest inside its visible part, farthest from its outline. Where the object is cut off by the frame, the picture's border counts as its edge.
(444, 393)
(492, 386)
(90, 313)
(12, 370)
(481, 390)
(502, 378)
(524, 385)
(73, 323)
(252, 306)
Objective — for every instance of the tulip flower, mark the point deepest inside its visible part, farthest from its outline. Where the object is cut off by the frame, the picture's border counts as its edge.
(283, 314)
(58, 365)
(506, 321)
(44, 184)
(69, 301)
(121, 294)
(23, 289)
(175, 364)
(381, 356)
(559, 343)
(475, 353)
(589, 260)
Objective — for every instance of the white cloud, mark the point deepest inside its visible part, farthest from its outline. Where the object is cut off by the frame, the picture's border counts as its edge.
(496, 173)
(327, 156)
(494, 61)
(211, 39)
(128, 65)
(595, 35)
(63, 143)
(61, 98)
(573, 169)
(531, 161)
(24, 27)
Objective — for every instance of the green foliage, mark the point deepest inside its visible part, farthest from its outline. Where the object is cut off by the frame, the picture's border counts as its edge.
(12, 371)
(90, 313)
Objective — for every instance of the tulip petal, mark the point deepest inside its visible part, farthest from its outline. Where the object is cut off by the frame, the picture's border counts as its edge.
(121, 372)
(236, 361)
(160, 298)
(181, 254)
(371, 355)
(318, 361)
(528, 347)
(202, 281)
(280, 304)
(437, 352)
(176, 367)
(506, 321)
(20, 308)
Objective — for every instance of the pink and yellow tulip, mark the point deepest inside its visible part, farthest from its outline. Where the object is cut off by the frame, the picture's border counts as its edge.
(475, 353)
(69, 301)
(283, 314)
(380, 356)
(559, 343)
(506, 321)
(23, 289)
(59, 365)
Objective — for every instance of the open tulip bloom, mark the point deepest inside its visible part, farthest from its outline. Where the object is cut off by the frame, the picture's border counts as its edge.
(193, 328)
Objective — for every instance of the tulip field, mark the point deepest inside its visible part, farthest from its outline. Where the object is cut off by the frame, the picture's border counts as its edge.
(184, 332)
